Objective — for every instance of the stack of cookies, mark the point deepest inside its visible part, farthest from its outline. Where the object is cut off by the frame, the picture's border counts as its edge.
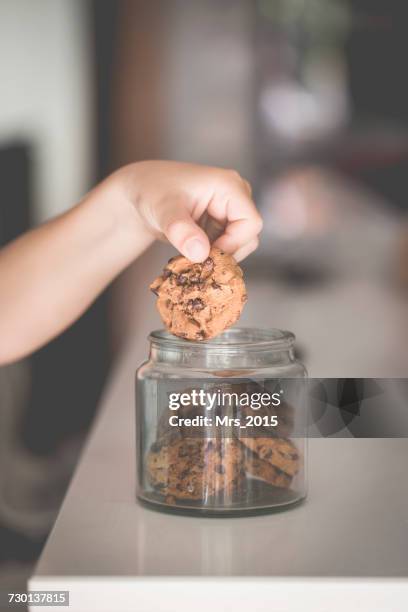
(183, 467)
(196, 468)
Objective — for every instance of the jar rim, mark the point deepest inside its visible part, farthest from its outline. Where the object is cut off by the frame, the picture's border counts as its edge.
(233, 338)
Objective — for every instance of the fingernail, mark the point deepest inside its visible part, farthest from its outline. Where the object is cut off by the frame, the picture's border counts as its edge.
(195, 250)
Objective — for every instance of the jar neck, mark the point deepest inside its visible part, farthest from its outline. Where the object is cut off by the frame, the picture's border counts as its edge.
(213, 360)
(237, 349)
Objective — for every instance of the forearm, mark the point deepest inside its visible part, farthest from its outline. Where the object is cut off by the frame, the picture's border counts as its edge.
(50, 275)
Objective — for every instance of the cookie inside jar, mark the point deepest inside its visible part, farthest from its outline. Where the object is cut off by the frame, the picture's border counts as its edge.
(196, 469)
(195, 462)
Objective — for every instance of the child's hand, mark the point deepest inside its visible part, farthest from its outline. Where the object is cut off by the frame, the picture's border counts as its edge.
(171, 198)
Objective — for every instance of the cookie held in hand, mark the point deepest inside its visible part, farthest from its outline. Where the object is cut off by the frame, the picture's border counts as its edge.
(198, 301)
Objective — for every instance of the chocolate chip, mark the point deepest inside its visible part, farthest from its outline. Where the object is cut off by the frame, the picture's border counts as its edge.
(196, 304)
(207, 267)
(215, 285)
(279, 471)
(167, 273)
(182, 279)
(220, 469)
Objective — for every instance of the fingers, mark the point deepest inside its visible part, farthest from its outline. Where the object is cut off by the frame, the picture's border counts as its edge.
(242, 230)
(174, 198)
(238, 213)
(246, 250)
(248, 187)
(237, 234)
(175, 222)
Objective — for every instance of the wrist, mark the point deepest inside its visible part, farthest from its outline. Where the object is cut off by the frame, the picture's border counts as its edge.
(119, 223)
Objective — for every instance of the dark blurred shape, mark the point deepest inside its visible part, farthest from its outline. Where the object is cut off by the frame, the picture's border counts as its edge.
(376, 49)
(15, 546)
(15, 181)
(375, 52)
(104, 17)
(67, 378)
(16, 184)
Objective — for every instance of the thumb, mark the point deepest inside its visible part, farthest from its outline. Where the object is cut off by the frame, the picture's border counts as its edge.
(176, 223)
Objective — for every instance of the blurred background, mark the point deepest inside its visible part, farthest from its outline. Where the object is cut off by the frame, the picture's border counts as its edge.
(306, 98)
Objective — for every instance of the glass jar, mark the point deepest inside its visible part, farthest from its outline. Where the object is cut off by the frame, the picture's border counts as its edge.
(221, 425)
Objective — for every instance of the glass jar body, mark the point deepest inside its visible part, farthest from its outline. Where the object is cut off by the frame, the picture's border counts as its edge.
(207, 442)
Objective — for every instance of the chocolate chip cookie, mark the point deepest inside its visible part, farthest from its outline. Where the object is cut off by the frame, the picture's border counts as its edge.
(278, 452)
(198, 301)
(266, 471)
(195, 469)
